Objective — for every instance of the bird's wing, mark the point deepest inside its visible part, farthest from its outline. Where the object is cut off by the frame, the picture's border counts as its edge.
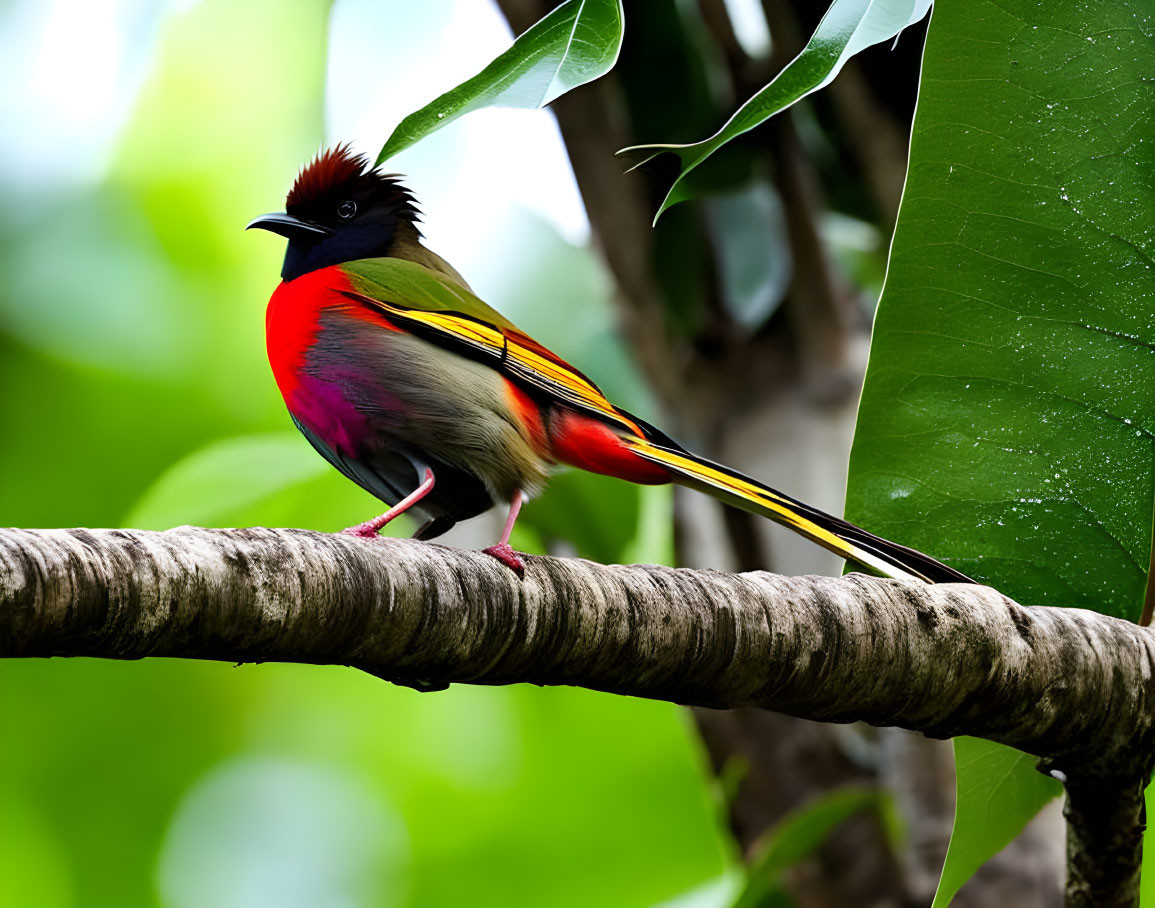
(413, 286)
(442, 311)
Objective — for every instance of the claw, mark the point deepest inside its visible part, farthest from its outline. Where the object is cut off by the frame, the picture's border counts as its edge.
(370, 528)
(504, 553)
(362, 531)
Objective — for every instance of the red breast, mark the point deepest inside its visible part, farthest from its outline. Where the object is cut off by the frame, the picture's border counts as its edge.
(292, 322)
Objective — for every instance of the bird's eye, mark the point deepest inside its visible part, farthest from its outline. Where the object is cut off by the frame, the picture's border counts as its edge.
(346, 209)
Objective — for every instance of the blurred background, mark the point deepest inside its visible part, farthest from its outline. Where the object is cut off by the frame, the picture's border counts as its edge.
(140, 136)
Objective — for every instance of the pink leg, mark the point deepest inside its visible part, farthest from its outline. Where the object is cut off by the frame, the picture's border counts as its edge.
(503, 552)
(370, 528)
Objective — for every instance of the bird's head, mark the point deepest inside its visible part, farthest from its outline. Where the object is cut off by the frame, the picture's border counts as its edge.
(339, 209)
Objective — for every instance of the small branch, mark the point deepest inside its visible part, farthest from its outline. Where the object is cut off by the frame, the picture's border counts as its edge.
(1105, 824)
(880, 140)
(1149, 593)
(820, 309)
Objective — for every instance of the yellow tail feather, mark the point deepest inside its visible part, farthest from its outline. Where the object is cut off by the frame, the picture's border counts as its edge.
(853, 543)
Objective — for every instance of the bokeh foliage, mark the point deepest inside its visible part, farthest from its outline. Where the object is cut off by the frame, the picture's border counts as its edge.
(134, 389)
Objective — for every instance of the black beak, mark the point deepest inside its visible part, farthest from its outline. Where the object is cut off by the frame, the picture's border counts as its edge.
(287, 225)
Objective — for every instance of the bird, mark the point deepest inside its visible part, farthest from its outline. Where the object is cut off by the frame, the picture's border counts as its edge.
(431, 400)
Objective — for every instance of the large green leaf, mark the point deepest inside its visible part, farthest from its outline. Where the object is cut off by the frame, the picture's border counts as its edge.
(1007, 420)
(576, 43)
(999, 790)
(1009, 408)
(849, 26)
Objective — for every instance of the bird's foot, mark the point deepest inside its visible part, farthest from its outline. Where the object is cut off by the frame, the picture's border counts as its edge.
(366, 530)
(370, 528)
(504, 553)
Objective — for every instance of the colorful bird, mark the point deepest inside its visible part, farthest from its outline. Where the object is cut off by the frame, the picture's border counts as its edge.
(434, 402)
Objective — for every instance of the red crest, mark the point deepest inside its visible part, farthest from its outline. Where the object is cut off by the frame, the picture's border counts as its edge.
(336, 173)
(330, 170)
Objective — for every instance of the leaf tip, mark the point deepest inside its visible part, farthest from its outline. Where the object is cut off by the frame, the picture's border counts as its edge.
(387, 151)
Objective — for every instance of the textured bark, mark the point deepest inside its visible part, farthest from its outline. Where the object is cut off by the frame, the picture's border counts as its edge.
(1105, 822)
(1069, 685)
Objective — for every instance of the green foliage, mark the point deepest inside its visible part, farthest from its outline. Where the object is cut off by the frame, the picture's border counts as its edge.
(796, 836)
(135, 390)
(574, 44)
(1008, 405)
(848, 27)
(505, 797)
(752, 248)
(596, 514)
(224, 477)
(1147, 877)
(999, 791)
(1007, 417)
(273, 479)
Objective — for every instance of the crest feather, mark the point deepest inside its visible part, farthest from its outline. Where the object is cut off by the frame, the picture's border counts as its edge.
(339, 169)
(334, 167)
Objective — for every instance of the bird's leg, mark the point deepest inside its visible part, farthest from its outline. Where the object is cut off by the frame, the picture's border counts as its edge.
(370, 528)
(502, 551)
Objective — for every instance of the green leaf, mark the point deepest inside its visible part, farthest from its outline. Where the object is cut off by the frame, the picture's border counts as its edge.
(849, 26)
(225, 477)
(798, 835)
(1007, 418)
(575, 44)
(1009, 408)
(999, 790)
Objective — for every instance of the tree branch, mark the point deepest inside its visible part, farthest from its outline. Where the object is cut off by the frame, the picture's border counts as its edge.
(1069, 685)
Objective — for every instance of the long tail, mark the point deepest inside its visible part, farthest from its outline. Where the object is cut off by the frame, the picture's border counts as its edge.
(845, 539)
